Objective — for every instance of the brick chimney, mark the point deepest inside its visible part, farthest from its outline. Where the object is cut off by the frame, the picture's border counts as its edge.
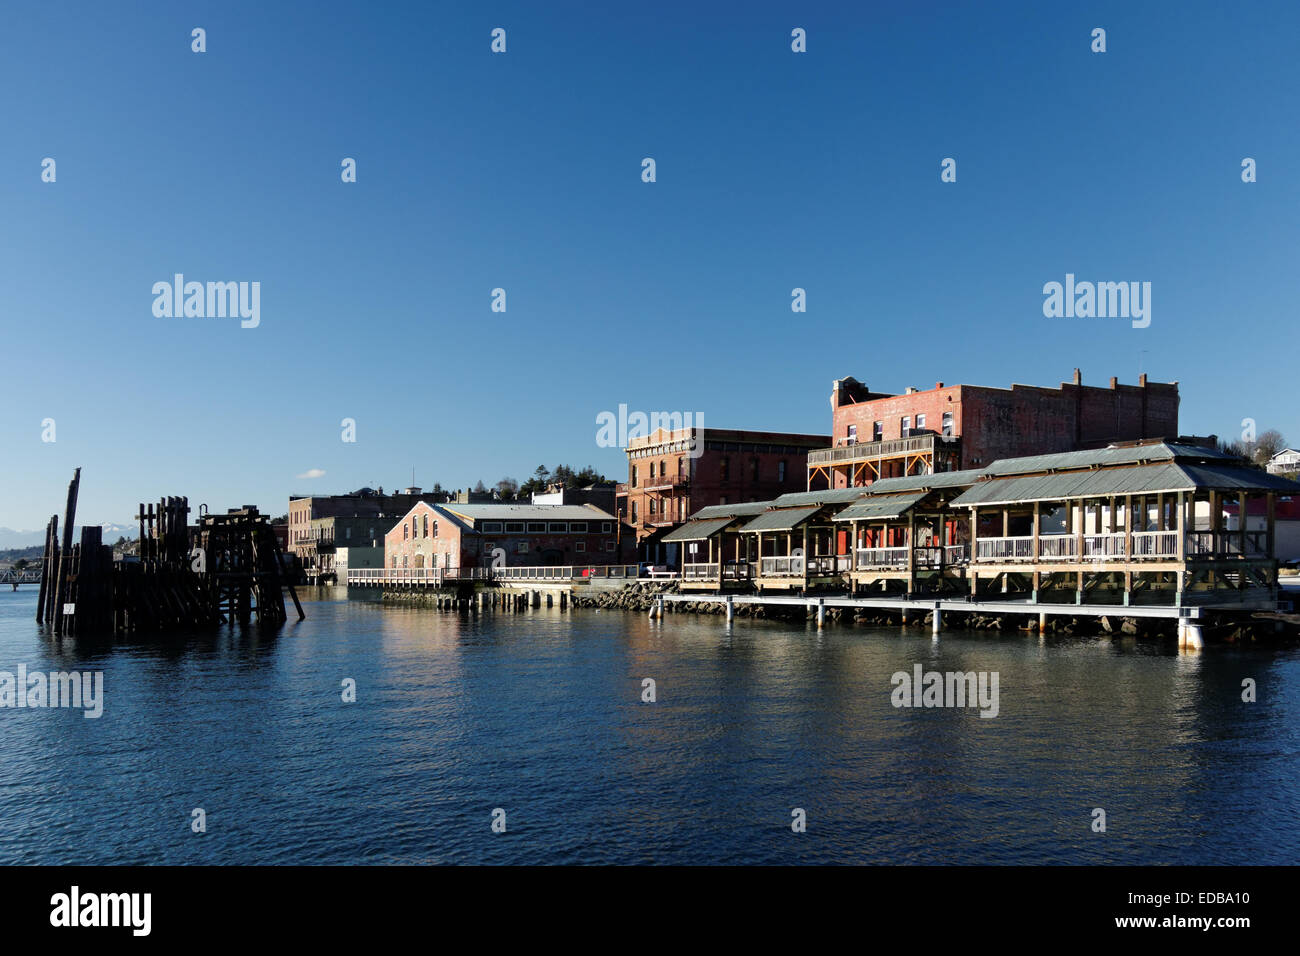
(1078, 377)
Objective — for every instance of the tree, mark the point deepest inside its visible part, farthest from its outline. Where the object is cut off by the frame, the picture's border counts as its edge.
(480, 488)
(1235, 448)
(507, 489)
(20, 564)
(1267, 445)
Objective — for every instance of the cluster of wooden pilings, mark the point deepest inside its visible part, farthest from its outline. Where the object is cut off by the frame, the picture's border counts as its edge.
(244, 567)
(481, 599)
(227, 569)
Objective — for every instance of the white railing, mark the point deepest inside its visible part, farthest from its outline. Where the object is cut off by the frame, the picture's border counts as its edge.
(956, 554)
(882, 557)
(826, 564)
(1057, 545)
(1103, 546)
(738, 571)
(781, 567)
(564, 572)
(1155, 544)
(1019, 548)
(699, 572)
(422, 576)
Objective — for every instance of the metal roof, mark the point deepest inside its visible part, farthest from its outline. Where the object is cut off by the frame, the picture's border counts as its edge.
(827, 496)
(1167, 476)
(698, 530)
(1113, 455)
(878, 508)
(783, 520)
(515, 512)
(739, 509)
(939, 479)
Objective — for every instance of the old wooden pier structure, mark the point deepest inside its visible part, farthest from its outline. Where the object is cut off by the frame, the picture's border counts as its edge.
(228, 568)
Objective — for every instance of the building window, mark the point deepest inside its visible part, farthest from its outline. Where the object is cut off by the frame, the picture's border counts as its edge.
(557, 527)
(577, 527)
(580, 546)
(663, 469)
(905, 426)
(435, 528)
(634, 512)
(609, 545)
(947, 424)
(347, 533)
(920, 422)
(514, 527)
(607, 526)
(852, 434)
(537, 527)
(426, 526)
(491, 527)
(722, 499)
(634, 476)
(521, 547)
(780, 471)
(652, 470)
(724, 469)
(652, 507)
(753, 469)
(406, 531)
(877, 431)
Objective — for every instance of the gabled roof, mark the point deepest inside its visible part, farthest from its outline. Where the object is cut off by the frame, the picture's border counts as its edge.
(697, 530)
(527, 512)
(880, 507)
(827, 496)
(1113, 455)
(737, 510)
(784, 519)
(939, 479)
(1166, 476)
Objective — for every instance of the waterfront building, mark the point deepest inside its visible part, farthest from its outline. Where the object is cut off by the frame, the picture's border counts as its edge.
(1140, 522)
(1285, 462)
(455, 539)
(952, 427)
(674, 473)
(356, 557)
(602, 495)
(366, 503)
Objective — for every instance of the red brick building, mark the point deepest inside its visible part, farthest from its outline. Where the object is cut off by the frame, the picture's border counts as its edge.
(950, 427)
(452, 537)
(670, 476)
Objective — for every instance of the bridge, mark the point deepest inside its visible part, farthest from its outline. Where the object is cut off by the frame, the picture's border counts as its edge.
(26, 576)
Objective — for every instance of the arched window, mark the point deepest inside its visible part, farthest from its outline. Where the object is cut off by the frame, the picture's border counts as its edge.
(426, 526)
(406, 531)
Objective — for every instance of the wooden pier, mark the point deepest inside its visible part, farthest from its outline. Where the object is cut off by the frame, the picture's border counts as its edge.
(227, 569)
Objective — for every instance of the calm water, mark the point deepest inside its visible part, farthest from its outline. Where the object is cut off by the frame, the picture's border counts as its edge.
(541, 714)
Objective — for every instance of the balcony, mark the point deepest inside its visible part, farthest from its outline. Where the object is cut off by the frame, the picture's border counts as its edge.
(1146, 546)
(892, 448)
(668, 483)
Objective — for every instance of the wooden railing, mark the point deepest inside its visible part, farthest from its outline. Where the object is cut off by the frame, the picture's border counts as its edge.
(1112, 546)
(882, 557)
(701, 571)
(781, 567)
(917, 444)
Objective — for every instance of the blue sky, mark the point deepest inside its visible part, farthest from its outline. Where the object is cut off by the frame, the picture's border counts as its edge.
(522, 171)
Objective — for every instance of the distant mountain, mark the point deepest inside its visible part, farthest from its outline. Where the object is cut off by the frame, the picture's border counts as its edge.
(9, 538)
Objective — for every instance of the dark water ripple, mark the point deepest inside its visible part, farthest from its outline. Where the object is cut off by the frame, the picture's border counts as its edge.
(540, 713)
